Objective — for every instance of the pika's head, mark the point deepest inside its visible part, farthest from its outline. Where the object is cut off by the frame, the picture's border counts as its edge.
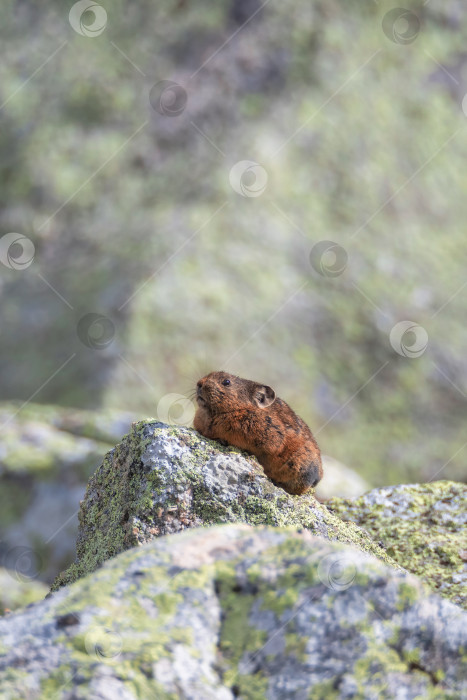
(220, 392)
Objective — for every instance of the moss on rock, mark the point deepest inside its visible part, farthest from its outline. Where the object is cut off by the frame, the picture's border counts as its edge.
(46, 457)
(17, 593)
(162, 479)
(422, 526)
(236, 611)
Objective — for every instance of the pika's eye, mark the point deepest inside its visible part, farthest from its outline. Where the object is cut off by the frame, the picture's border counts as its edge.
(226, 382)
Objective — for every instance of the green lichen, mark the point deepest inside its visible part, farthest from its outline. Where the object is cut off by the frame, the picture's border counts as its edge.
(237, 598)
(167, 602)
(54, 685)
(251, 686)
(237, 634)
(279, 600)
(135, 616)
(126, 505)
(295, 646)
(105, 640)
(240, 637)
(373, 670)
(324, 690)
(12, 679)
(407, 596)
(376, 663)
(422, 527)
(105, 522)
(16, 593)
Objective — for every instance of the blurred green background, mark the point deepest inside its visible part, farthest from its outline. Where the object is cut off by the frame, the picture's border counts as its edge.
(355, 118)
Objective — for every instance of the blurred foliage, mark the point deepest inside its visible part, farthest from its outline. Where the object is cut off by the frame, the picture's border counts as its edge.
(364, 143)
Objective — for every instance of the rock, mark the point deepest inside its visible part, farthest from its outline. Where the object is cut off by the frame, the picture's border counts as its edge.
(16, 591)
(103, 427)
(238, 612)
(46, 456)
(339, 480)
(162, 479)
(422, 526)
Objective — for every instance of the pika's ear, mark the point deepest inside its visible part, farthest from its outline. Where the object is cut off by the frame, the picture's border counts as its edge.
(264, 396)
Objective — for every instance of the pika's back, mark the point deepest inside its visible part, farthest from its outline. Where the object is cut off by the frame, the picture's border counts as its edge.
(248, 414)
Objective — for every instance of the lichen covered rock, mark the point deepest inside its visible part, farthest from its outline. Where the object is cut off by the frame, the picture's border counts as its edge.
(162, 479)
(16, 591)
(47, 454)
(422, 526)
(238, 612)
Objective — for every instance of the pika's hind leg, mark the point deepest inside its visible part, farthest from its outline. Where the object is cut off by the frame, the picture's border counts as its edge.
(296, 478)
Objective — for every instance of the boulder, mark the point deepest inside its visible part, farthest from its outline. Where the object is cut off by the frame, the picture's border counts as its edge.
(238, 612)
(162, 479)
(46, 456)
(17, 591)
(422, 526)
(339, 480)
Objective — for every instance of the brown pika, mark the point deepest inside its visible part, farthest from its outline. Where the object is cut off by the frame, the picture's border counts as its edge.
(249, 415)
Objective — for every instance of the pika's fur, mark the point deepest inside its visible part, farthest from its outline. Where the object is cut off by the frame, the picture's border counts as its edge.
(250, 416)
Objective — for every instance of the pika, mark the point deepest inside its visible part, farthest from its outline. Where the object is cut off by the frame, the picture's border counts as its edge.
(249, 415)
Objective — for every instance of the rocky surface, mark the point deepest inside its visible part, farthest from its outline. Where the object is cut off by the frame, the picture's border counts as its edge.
(422, 526)
(238, 612)
(17, 592)
(162, 479)
(47, 454)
